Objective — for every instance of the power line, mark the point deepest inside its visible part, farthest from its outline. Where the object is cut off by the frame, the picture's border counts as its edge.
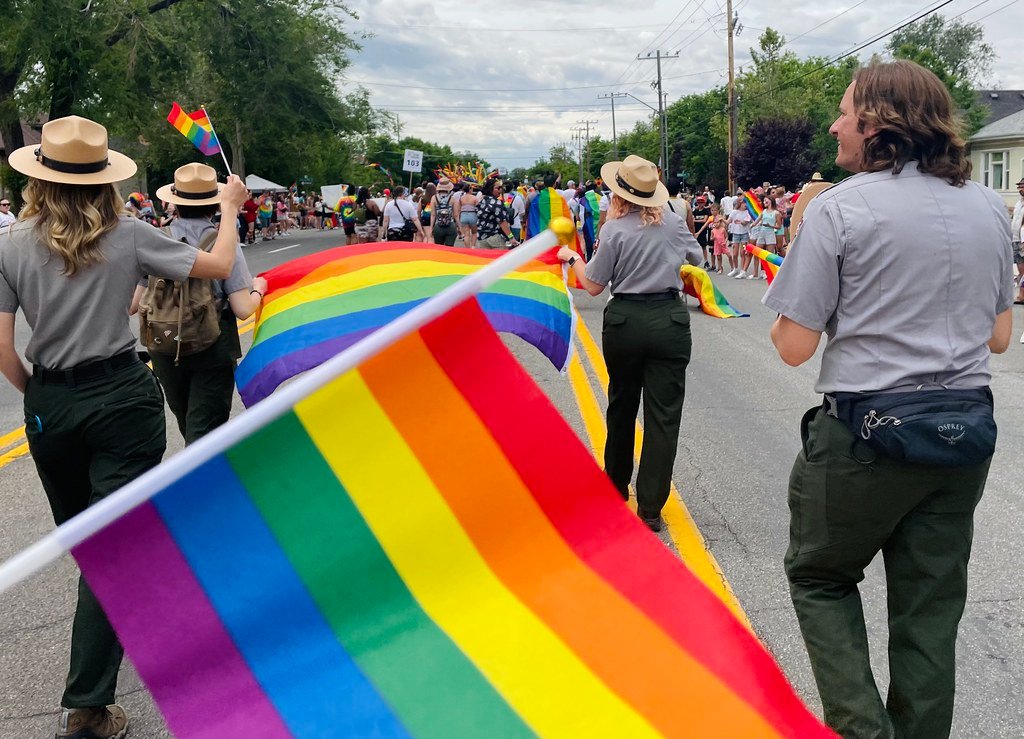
(560, 29)
(523, 89)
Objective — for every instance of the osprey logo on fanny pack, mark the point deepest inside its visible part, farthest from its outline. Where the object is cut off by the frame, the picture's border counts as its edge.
(952, 432)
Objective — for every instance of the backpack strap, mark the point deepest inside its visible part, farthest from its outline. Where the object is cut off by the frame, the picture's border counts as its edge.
(207, 240)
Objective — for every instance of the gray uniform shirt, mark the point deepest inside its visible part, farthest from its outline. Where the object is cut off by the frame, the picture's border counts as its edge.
(192, 230)
(905, 274)
(643, 259)
(83, 318)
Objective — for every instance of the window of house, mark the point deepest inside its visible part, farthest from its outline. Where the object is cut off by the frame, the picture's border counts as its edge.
(995, 170)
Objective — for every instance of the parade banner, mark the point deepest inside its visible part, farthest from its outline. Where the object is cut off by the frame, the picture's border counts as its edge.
(697, 283)
(318, 305)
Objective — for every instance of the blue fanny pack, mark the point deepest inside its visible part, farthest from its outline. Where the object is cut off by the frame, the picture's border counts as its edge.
(944, 428)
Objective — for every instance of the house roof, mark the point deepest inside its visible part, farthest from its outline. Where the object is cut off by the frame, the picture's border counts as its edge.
(1000, 103)
(1012, 126)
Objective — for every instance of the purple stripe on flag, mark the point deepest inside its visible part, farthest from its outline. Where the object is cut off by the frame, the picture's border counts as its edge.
(166, 605)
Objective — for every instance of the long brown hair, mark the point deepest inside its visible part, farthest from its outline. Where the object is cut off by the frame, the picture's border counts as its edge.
(71, 219)
(916, 120)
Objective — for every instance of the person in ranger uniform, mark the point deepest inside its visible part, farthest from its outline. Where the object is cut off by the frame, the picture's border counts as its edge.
(912, 310)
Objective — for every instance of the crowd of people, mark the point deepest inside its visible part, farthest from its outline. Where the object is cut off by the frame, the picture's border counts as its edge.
(911, 498)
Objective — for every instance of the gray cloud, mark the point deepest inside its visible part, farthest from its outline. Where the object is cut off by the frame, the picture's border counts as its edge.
(481, 47)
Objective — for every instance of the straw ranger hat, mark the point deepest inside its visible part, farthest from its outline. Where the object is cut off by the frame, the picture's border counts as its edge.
(194, 184)
(635, 179)
(444, 185)
(73, 151)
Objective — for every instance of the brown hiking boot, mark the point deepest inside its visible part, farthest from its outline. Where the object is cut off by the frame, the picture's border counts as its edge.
(108, 722)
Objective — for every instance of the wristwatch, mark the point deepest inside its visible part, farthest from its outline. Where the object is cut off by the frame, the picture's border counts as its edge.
(572, 261)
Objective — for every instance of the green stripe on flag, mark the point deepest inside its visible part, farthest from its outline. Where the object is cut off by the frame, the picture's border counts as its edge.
(433, 688)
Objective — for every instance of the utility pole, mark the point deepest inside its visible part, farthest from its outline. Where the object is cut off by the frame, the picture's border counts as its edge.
(662, 123)
(615, 140)
(578, 136)
(731, 20)
(585, 174)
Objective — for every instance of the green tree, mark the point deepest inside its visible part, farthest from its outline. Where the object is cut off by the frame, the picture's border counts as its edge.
(959, 47)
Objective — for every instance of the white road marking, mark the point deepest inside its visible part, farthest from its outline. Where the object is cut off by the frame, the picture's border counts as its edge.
(283, 248)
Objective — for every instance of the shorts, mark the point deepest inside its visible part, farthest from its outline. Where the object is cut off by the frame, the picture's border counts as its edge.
(738, 238)
(264, 221)
(766, 237)
(350, 228)
(468, 218)
(780, 232)
(1018, 258)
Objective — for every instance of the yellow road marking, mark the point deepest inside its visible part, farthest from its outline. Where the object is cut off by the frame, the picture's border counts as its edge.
(7, 439)
(690, 543)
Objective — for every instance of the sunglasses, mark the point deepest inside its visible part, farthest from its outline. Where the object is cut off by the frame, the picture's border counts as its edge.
(7, 205)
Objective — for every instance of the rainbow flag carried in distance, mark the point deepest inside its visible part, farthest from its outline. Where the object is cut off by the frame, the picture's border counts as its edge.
(753, 204)
(769, 261)
(383, 171)
(316, 306)
(423, 547)
(196, 128)
(593, 214)
(697, 283)
(548, 204)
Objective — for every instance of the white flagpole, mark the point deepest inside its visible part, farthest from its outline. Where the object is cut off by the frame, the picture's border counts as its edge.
(72, 533)
(212, 129)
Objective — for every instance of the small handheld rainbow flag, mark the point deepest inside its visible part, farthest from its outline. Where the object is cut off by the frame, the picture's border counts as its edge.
(196, 128)
(318, 305)
(383, 171)
(770, 262)
(697, 283)
(753, 204)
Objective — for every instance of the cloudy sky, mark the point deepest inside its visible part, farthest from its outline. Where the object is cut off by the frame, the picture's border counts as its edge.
(510, 80)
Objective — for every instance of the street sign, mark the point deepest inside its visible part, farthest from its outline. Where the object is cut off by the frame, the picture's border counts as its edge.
(305, 180)
(413, 161)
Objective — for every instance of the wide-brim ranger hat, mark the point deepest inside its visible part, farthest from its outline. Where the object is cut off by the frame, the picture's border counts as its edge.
(445, 185)
(73, 151)
(194, 184)
(635, 179)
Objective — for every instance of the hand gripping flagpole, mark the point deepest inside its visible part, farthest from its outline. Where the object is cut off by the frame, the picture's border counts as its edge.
(72, 533)
(214, 132)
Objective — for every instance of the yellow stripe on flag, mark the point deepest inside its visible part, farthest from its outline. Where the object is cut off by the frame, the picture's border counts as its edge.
(532, 669)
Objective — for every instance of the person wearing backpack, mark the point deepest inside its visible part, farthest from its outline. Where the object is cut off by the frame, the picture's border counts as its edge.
(442, 214)
(401, 222)
(94, 413)
(190, 327)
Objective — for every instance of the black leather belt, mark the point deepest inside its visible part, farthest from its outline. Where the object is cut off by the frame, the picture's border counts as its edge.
(86, 372)
(646, 297)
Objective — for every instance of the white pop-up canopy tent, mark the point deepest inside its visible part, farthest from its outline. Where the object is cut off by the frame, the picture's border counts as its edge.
(258, 184)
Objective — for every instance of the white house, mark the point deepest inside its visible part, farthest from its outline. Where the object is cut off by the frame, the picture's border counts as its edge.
(997, 155)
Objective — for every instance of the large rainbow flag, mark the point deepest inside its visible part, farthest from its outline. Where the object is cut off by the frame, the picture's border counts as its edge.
(196, 128)
(318, 305)
(423, 547)
(547, 204)
(593, 204)
(697, 283)
(769, 261)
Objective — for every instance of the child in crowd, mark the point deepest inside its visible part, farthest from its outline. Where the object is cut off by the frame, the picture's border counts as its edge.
(720, 239)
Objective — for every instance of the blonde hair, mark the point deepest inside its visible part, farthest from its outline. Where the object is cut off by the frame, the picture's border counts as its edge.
(649, 216)
(71, 219)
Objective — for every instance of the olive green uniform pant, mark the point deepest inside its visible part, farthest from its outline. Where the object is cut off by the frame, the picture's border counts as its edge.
(847, 504)
(200, 399)
(87, 441)
(646, 346)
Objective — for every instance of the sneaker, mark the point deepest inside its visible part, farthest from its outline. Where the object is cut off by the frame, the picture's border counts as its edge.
(109, 722)
(719, 271)
(707, 265)
(740, 275)
(732, 272)
(764, 276)
(751, 277)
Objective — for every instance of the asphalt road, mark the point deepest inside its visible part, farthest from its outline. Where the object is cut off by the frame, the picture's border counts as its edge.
(739, 438)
